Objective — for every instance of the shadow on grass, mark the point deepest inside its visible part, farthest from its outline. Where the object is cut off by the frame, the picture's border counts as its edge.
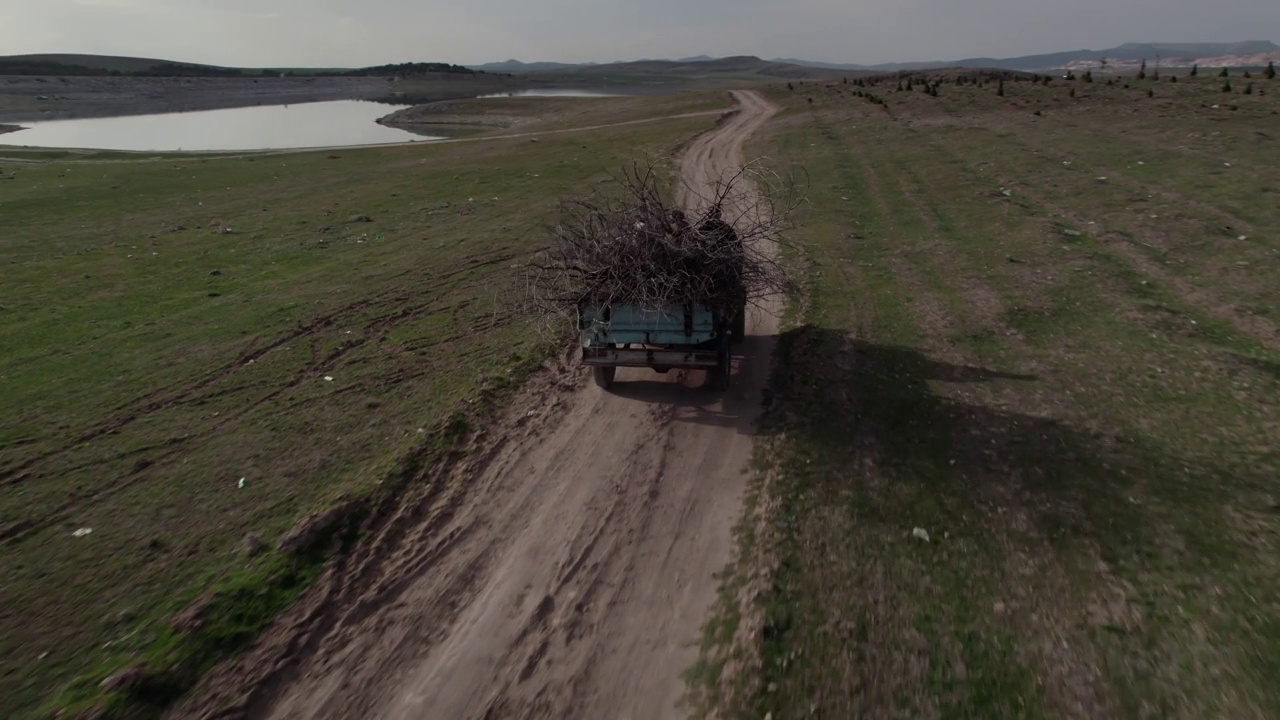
(875, 441)
(863, 405)
(1269, 367)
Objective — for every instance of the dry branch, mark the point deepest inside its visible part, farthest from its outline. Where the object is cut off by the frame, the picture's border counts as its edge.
(632, 245)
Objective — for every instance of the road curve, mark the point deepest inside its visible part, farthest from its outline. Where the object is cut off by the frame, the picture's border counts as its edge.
(568, 573)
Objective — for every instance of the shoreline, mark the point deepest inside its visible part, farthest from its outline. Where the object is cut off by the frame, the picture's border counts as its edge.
(9, 128)
(37, 98)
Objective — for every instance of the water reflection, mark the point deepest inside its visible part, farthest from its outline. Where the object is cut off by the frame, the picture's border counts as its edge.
(322, 124)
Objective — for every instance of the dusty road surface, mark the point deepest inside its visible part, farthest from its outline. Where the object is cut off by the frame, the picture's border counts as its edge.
(564, 572)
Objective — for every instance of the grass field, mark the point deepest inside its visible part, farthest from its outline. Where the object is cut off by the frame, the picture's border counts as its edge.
(1041, 331)
(199, 351)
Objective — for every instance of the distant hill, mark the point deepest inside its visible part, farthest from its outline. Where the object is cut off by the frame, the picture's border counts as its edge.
(739, 64)
(515, 66)
(689, 67)
(1169, 54)
(105, 63)
(91, 65)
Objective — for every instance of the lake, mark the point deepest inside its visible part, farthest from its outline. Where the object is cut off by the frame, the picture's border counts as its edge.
(277, 127)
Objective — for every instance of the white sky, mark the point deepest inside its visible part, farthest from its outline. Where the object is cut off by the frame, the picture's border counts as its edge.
(343, 33)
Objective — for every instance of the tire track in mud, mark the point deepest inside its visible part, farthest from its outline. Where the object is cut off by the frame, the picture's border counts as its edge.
(562, 569)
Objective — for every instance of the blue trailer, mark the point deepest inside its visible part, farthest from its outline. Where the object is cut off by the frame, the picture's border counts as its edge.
(690, 336)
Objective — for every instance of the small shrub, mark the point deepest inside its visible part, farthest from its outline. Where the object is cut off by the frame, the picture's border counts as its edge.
(1151, 93)
(1071, 75)
(1000, 89)
(1071, 92)
(1173, 78)
(1247, 75)
(1088, 76)
(1248, 89)
(1142, 71)
(1046, 80)
(1195, 70)
(1226, 86)
(790, 86)
(1224, 73)
(1270, 72)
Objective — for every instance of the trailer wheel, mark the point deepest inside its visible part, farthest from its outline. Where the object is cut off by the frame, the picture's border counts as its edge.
(739, 331)
(719, 377)
(604, 376)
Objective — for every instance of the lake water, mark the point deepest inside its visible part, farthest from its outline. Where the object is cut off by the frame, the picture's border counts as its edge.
(307, 125)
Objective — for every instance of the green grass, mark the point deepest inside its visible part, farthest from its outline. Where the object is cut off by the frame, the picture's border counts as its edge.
(171, 326)
(1081, 422)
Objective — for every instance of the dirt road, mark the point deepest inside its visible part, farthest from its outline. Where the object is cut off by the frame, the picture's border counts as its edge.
(564, 573)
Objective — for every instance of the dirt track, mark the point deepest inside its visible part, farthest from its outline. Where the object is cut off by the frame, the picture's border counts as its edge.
(564, 573)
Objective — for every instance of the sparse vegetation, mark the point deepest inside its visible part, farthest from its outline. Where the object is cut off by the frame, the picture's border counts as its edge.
(171, 358)
(984, 501)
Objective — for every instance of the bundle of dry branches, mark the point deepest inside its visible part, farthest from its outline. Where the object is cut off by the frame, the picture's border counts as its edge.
(633, 246)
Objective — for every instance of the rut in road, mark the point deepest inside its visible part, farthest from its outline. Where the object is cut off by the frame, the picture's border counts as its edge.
(564, 573)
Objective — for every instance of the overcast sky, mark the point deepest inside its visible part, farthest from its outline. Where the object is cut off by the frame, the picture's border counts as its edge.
(340, 33)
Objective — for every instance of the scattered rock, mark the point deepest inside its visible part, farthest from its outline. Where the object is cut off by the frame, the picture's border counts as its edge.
(215, 273)
(141, 465)
(359, 219)
(82, 532)
(1071, 233)
(323, 229)
(920, 534)
(192, 617)
(335, 157)
(253, 545)
(999, 607)
(124, 679)
(315, 527)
